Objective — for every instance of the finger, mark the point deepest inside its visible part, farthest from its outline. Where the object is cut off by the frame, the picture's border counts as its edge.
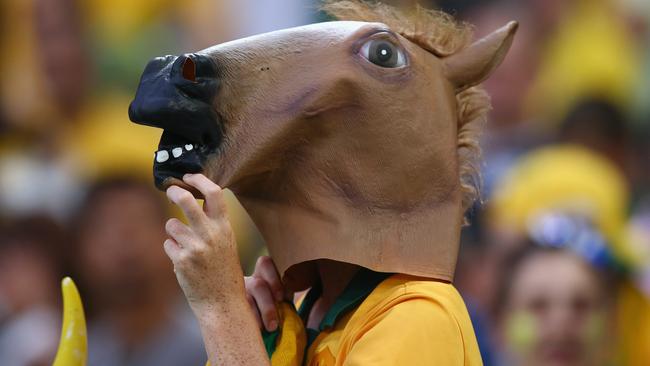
(265, 269)
(256, 312)
(180, 232)
(261, 292)
(185, 200)
(172, 249)
(215, 204)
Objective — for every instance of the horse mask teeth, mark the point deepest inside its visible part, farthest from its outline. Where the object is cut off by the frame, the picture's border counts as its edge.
(176, 94)
(336, 152)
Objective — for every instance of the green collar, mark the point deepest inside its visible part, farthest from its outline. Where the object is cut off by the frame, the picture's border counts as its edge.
(361, 285)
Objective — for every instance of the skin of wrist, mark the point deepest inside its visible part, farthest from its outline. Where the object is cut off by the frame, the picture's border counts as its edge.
(232, 301)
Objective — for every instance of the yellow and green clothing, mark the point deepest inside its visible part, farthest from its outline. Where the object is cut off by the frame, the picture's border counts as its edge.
(380, 319)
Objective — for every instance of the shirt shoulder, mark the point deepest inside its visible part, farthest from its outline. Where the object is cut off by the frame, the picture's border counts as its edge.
(412, 321)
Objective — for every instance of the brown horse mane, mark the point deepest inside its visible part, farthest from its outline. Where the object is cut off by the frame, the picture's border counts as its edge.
(438, 33)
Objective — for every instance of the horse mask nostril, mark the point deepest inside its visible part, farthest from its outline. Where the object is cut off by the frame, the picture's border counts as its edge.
(177, 95)
(189, 69)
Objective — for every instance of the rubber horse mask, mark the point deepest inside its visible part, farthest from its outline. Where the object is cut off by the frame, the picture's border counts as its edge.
(346, 140)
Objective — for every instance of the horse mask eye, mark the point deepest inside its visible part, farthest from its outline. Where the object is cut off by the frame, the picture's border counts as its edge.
(383, 53)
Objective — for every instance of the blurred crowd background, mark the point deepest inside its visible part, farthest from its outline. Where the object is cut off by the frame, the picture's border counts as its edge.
(554, 266)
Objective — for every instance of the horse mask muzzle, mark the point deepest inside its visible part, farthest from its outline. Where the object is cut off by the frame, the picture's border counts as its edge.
(176, 93)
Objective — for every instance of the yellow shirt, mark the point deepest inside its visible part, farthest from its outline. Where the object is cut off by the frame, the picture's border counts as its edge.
(405, 320)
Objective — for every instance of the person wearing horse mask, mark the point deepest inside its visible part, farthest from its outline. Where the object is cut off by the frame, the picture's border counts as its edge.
(353, 146)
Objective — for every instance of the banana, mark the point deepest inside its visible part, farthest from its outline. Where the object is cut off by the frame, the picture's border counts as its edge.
(73, 346)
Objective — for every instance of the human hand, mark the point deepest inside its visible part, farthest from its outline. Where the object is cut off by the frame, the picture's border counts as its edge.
(264, 290)
(204, 252)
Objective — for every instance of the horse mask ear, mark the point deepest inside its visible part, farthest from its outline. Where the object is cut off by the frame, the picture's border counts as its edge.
(474, 64)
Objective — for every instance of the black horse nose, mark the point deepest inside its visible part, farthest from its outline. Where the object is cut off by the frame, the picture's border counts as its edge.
(176, 93)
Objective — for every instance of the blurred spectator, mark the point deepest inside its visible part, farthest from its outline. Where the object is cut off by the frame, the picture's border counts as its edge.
(555, 310)
(46, 85)
(136, 314)
(590, 51)
(62, 55)
(600, 126)
(510, 83)
(572, 180)
(510, 131)
(560, 178)
(30, 268)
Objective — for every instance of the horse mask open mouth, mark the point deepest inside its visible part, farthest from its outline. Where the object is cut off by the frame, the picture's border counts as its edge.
(348, 140)
(176, 94)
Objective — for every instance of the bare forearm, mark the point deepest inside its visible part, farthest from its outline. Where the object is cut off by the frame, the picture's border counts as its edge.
(231, 334)
(204, 253)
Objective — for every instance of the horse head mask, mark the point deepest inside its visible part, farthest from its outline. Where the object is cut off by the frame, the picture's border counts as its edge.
(351, 140)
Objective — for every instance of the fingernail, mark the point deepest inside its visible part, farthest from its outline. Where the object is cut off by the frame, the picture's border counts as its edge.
(273, 325)
(187, 175)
